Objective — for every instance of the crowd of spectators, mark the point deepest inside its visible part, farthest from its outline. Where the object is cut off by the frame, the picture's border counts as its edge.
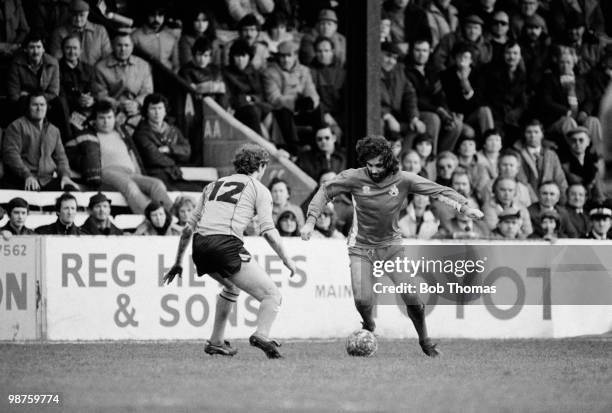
(498, 99)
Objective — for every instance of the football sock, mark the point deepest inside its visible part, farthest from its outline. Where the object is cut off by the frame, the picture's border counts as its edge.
(417, 315)
(225, 302)
(365, 310)
(268, 309)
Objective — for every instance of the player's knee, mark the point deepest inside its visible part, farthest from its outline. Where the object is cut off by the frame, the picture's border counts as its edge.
(230, 294)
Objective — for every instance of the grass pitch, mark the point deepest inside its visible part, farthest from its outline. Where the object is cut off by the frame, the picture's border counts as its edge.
(573, 375)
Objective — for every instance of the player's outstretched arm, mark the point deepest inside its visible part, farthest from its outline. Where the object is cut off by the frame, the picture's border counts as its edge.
(177, 269)
(472, 213)
(274, 239)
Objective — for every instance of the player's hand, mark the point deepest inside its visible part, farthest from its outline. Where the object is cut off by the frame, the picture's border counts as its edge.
(291, 266)
(174, 271)
(473, 213)
(306, 231)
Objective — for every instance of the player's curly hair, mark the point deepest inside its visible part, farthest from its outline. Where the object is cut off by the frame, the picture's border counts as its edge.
(249, 158)
(375, 145)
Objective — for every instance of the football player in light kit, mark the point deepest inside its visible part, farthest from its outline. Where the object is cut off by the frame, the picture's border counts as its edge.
(379, 190)
(223, 212)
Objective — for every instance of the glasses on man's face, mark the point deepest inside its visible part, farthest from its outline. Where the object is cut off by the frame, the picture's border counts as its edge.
(324, 138)
(500, 22)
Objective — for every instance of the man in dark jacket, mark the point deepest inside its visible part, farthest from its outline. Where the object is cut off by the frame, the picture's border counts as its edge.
(66, 209)
(162, 147)
(324, 157)
(99, 222)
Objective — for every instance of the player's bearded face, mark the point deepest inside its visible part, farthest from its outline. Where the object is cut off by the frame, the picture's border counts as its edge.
(376, 169)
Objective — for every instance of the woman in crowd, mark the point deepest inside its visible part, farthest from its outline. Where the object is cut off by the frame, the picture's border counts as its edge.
(325, 226)
(201, 25)
(157, 222)
(287, 225)
(280, 201)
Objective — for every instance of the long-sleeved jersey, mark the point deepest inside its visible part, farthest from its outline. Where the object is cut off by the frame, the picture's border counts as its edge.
(378, 204)
(228, 205)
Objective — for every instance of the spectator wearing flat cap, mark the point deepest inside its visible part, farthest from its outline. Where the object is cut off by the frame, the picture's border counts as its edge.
(399, 104)
(17, 210)
(565, 101)
(99, 222)
(508, 225)
(289, 88)
(95, 43)
(535, 49)
(327, 26)
(470, 33)
(601, 221)
(249, 29)
(66, 209)
(583, 166)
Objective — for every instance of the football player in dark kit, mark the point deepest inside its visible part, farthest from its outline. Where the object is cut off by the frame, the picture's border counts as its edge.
(379, 190)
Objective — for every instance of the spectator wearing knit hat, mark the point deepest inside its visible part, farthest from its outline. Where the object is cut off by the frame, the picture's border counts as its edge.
(17, 210)
(327, 26)
(95, 43)
(99, 222)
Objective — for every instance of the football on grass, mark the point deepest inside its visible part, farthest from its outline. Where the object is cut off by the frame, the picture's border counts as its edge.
(361, 343)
